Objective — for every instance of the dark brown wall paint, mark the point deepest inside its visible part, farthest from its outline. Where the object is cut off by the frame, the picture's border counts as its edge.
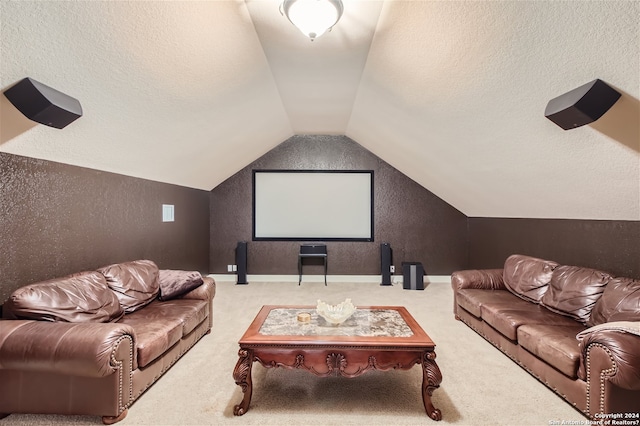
(612, 246)
(57, 219)
(419, 226)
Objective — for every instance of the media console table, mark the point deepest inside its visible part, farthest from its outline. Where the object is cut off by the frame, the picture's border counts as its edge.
(313, 251)
(373, 338)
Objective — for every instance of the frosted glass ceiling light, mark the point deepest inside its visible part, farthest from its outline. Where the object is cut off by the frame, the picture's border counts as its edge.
(312, 17)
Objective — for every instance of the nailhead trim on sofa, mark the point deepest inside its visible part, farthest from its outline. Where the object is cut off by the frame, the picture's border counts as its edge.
(118, 365)
(604, 375)
(498, 346)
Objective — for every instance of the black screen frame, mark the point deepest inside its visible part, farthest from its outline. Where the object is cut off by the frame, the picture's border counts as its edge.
(370, 238)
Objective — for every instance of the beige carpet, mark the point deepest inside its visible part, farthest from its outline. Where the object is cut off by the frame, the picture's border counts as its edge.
(480, 386)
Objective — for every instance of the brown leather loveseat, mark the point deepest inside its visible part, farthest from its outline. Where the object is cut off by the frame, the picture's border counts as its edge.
(93, 342)
(575, 329)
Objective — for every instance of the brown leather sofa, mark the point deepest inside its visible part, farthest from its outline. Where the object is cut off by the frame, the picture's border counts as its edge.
(93, 342)
(575, 329)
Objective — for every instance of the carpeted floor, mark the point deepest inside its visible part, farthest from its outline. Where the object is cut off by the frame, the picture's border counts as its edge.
(480, 386)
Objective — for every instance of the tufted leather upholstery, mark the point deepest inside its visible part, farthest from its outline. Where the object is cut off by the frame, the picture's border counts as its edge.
(598, 373)
(619, 302)
(574, 291)
(528, 277)
(67, 338)
(134, 283)
(83, 297)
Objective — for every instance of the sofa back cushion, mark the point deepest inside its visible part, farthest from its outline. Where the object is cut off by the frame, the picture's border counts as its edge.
(574, 291)
(134, 283)
(528, 277)
(82, 297)
(619, 302)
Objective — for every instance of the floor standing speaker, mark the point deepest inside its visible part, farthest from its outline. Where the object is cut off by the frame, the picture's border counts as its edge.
(241, 262)
(385, 263)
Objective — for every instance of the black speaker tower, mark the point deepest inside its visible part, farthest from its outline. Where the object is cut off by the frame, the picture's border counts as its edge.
(241, 262)
(385, 263)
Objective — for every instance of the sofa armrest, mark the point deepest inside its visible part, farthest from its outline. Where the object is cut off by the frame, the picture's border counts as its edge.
(610, 354)
(78, 349)
(204, 292)
(487, 279)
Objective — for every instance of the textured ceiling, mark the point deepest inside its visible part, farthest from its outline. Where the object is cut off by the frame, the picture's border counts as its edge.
(450, 93)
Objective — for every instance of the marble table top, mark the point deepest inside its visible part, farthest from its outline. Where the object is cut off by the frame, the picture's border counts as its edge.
(364, 322)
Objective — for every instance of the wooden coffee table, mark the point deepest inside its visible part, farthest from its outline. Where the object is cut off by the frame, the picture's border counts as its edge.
(374, 338)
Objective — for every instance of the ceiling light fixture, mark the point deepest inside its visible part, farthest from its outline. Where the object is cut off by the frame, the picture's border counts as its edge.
(312, 17)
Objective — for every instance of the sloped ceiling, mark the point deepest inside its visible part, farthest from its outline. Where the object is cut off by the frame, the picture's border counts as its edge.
(450, 93)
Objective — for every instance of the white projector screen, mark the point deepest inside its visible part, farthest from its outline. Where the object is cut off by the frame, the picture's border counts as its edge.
(313, 205)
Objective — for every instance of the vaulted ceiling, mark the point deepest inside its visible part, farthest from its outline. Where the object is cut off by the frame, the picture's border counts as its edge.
(451, 93)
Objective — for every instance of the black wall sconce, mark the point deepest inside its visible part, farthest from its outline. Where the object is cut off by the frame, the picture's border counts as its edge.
(43, 104)
(581, 106)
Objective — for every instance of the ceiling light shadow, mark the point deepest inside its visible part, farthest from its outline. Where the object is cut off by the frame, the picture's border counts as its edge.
(622, 121)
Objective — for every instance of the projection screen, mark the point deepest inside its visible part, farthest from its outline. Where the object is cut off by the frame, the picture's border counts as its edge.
(313, 205)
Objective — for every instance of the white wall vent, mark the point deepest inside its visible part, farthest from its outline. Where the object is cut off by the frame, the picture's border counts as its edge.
(167, 213)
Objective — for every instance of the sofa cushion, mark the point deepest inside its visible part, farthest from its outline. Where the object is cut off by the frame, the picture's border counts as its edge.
(554, 344)
(160, 325)
(155, 332)
(528, 277)
(619, 302)
(175, 283)
(471, 299)
(574, 291)
(82, 297)
(191, 312)
(134, 283)
(507, 318)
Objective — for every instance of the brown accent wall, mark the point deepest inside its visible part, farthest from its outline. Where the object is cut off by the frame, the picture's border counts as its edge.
(418, 225)
(57, 219)
(612, 246)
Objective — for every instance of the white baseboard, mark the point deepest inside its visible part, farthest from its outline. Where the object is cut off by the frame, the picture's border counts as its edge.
(395, 279)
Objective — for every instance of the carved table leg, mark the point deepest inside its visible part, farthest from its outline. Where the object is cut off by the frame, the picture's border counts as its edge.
(431, 379)
(242, 376)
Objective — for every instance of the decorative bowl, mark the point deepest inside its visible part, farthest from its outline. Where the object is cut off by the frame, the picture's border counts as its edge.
(335, 314)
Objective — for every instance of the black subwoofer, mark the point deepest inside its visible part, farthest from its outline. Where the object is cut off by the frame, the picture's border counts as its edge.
(412, 276)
